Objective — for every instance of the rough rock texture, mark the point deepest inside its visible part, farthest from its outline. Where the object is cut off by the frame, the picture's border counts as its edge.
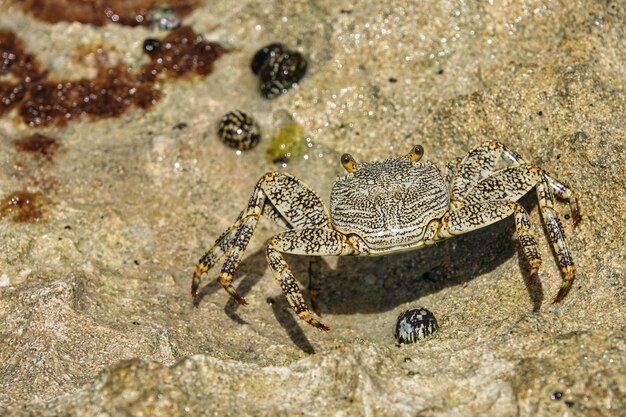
(94, 298)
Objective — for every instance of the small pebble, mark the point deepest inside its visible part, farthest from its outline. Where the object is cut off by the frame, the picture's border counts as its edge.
(415, 324)
(239, 131)
(556, 395)
(163, 17)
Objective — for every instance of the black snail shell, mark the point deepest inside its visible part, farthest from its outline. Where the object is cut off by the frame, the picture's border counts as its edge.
(264, 55)
(278, 69)
(238, 130)
(415, 324)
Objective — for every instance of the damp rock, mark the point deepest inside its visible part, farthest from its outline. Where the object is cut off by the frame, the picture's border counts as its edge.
(238, 130)
(415, 324)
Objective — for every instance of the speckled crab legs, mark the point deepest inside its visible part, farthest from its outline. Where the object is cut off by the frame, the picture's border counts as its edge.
(302, 209)
(478, 190)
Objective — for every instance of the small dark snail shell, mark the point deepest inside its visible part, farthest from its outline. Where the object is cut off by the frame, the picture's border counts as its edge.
(264, 55)
(238, 130)
(415, 324)
(278, 69)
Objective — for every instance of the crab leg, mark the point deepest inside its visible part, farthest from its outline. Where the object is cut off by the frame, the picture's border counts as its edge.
(560, 189)
(566, 193)
(451, 169)
(477, 215)
(311, 241)
(280, 197)
(510, 183)
(476, 181)
(557, 237)
(479, 163)
(234, 241)
(552, 222)
(215, 252)
(225, 242)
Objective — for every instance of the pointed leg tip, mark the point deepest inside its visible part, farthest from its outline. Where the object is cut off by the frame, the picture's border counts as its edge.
(561, 294)
(240, 300)
(306, 316)
(576, 215)
(321, 326)
(194, 295)
(532, 278)
(195, 284)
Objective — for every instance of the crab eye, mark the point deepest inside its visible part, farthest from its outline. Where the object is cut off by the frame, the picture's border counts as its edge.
(348, 162)
(416, 153)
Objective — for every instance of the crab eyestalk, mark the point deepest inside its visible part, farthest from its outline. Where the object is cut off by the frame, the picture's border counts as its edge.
(349, 163)
(416, 153)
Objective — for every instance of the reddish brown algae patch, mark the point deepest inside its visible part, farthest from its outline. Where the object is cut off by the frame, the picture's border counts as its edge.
(101, 12)
(23, 206)
(111, 93)
(180, 53)
(37, 145)
(18, 69)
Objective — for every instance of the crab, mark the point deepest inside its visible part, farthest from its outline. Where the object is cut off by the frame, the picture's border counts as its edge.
(397, 204)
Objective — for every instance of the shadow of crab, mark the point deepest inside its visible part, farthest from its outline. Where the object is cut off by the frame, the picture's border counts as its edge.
(381, 283)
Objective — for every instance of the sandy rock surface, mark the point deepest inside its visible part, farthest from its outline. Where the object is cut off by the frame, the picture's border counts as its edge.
(96, 314)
